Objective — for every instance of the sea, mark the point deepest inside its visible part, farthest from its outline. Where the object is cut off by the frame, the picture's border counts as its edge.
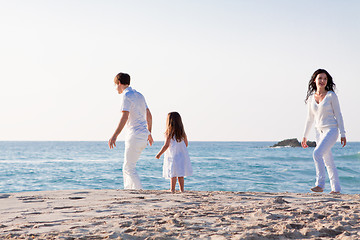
(217, 166)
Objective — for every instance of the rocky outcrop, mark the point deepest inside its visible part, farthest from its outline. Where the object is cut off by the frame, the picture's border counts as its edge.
(311, 143)
(293, 142)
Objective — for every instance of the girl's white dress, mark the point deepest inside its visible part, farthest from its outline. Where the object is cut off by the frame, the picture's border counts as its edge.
(176, 160)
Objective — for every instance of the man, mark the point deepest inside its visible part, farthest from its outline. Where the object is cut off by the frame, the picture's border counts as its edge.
(137, 116)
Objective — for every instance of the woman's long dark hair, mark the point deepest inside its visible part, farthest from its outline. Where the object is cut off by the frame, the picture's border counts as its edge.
(330, 86)
(175, 127)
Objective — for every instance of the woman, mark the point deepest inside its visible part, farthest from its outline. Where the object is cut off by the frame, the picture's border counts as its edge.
(324, 109)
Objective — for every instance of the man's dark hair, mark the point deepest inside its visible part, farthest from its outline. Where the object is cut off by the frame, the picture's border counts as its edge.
(122, 78)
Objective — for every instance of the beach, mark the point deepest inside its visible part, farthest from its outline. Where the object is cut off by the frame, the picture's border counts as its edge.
(158, 214)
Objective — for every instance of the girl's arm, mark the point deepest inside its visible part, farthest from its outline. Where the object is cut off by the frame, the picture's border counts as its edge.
(164, 148)
(186, 141)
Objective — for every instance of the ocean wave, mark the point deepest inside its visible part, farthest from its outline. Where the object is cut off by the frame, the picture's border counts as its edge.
(216, 167)
(38, 161)
(281, 147)
(352, 156)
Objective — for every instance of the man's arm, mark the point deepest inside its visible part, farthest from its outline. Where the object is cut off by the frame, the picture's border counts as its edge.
(123, 120)
(149, 125)
(149, 119)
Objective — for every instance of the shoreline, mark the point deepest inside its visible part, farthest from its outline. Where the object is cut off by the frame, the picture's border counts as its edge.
(158, 214)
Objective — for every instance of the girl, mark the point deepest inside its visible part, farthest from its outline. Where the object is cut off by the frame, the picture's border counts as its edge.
(177, 161)
(324, 109)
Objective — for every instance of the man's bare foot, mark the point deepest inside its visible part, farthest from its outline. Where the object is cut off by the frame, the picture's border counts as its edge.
(317, 189)
(333, 192)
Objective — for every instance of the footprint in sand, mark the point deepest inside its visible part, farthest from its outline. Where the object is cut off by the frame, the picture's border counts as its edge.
(4, 195)
(76, 198)
(62, 207)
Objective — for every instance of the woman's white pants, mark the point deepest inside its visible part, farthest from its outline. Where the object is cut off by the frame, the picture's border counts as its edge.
(133, 149)
(325, 140)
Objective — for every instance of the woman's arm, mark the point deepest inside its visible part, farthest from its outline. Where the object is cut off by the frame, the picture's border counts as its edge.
(309, 120)
(336, 108)
(164, 148)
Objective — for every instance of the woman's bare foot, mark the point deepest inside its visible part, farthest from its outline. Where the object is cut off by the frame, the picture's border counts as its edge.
(317, 189)
(333, 192)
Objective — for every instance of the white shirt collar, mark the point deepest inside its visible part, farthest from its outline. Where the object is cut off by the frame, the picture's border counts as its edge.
(127, 89)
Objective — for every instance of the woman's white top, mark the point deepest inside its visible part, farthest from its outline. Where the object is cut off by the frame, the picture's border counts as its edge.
(176, 160)
(326, 114)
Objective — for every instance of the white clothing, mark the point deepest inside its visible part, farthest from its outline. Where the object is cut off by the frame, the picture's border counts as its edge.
(134, 102)
(133, 149)
(328, 121)
(137, 135)
(326, 114)
(325, 140)
(176, 160)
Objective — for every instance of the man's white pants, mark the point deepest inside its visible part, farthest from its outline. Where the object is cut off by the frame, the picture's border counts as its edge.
(325, 140)
(133, 149)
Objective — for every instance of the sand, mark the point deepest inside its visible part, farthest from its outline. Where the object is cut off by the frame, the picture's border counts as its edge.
(150, 214)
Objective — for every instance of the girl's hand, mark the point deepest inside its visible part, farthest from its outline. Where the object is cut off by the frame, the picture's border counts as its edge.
(343, 141)
(303, 143)
(157, 156)
(112, 142)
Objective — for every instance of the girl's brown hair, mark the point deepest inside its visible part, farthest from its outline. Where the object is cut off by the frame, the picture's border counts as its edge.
(175, 127)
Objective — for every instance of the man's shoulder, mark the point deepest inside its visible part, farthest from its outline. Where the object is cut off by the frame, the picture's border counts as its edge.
(129, 92)
(133, 94)
(136, 93)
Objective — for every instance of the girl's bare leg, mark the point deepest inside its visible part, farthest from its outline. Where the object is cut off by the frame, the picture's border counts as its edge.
(181, 183)
(172, 184)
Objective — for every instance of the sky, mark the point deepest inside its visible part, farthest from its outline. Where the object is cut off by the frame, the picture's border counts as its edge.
(235, 70)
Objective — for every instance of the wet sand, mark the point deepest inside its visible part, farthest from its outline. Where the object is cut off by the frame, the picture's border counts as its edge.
(155, 214)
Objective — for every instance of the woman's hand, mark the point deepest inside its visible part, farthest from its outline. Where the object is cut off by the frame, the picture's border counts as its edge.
(303, 143)
(158, 156)
(343, 141)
